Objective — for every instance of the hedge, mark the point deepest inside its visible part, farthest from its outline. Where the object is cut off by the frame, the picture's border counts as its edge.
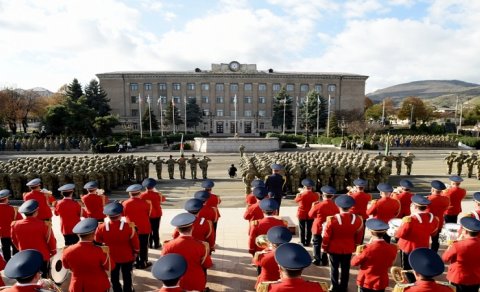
(292, 138)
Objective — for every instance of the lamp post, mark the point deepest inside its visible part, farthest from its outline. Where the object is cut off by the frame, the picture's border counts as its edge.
(412, 107)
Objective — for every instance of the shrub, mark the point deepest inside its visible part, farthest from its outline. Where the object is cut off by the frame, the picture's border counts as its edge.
(470, 141)
(289, 145)
(186, 146)
(299, 139)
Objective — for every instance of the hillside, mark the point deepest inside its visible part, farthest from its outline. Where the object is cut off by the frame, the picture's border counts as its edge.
(440, 93)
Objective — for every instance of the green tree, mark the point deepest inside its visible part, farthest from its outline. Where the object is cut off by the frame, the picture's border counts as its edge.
(194, 114)
(146, 121)
(414, 106)
(56, 119)
(374, 112)
(97, 98)
(314, 106)
(334, 129)
(368, 103)
(74, 90)
(103, 125)
(282, 103)
(171, 112)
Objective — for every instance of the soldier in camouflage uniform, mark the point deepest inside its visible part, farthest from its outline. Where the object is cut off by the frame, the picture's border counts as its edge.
(182, 166)
(203, 163)
(470, 161)
(193, 166)
(241, 149)
(171, 166)
(138, 166)
(398, 163)
(460, 159)
(295, 176)
(16, 183)
(158, 166)
(450, 159)
(408, 161)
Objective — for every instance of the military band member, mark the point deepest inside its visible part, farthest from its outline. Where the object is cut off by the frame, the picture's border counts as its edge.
(88, 262)
(292, 259)
(265, 260)
(155, 198)
(253, 211)
(404, 196)
(138, 212)
(33, 233)
(361, 198)
(24, 267)
(456, 194)
(464, 268)
(439, 204)
(8, 214)
(44, 199)
(375, 259)
(275, 183)
(426, 264)
(195, 252)
(213, 200)
(250, 198)
(94, 202)
(342, 232)
(122, 241)
(305, 199)
(202, 229)
(320, 211)
(476, 213)
(70, 212)
(169, 269)
(416, 229)
(386, 208)
(258, 227)
(2, 267)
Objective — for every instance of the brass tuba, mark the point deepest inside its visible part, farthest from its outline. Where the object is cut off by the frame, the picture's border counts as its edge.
(261, 241)
(399, 275)
(48, 286)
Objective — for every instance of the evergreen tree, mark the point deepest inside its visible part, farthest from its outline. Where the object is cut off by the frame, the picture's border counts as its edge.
(169, 113)
(334, 129)
(146, 121)
(282, 103)
(74, 90)
(194, 114)
(308, 111)
(97, 98)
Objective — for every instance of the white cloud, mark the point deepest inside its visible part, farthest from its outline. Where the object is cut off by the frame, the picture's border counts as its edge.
(407, 3)
(359, 8)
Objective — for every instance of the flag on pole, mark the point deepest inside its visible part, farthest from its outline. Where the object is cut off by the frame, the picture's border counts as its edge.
(387, 144)
(181, 145)
(235, 99)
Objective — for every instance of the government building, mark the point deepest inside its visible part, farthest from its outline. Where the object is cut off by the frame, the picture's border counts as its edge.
(215, 91)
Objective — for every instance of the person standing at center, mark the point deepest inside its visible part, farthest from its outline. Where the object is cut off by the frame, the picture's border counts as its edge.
(155, 199)
(456, 194)
(386, 208)
(138, 211)
(305, 200)
(94, 201)
(275, 183)
(439, 204)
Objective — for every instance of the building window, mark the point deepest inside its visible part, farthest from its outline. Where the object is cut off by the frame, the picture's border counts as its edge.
(261, 126)
(206, 112)
(219, 87)
(332, 88)
(290, 87)
(205, 86)
(191, 98)
(163, 99)
(219, 113)
(133, 86)
(261, 99)
(176, 86)
(247, 99)
(133, 99)
(247, 87)
(162, 86)
(318, 88)
(134, 112)
(304, 87)
(262, 113)
(204, 99)
(190, 86)
(219, 99)
(234, 87)
(276, 87)
(148, 86)
(247, 113)
(176, 99)
(232, 113)
(262, 87)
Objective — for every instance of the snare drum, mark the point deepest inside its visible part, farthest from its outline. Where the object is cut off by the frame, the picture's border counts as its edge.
(393, 224)
(449, 232)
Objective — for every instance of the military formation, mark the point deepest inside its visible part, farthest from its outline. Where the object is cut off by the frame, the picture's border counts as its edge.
(423, 141)
(463, 163)
(33, 143)
(338, 169)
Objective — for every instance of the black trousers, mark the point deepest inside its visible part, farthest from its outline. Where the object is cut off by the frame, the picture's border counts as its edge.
(45, 269)
(467, 288)
(155, 235)
(435, 242)
(317, 243)
(8, 249)
(126, 269)
(341, 261)
(142, 257)
(305, 231)
(279, 201)
(450, 218)
(361, 289)
(70, 239)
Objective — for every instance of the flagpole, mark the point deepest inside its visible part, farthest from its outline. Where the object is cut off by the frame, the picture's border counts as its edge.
(284, 110)
(306, 119)
(149, 115)
(173, 115)
(161, 115)
(318, 114)
(383, 113)
(235, 102)
(296, 115)
(185, 102)
(140, 110)
(328, 116)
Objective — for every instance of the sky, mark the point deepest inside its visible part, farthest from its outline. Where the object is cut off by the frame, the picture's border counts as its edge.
(47, 43)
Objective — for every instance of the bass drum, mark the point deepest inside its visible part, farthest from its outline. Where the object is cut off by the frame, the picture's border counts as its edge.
(57, 272)
(449, 232)
(393, 225)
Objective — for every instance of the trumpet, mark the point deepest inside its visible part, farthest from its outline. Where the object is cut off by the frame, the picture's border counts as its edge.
(351, 190)
(360, 249)
(261, 241)
(48, 286)
(400, 276)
